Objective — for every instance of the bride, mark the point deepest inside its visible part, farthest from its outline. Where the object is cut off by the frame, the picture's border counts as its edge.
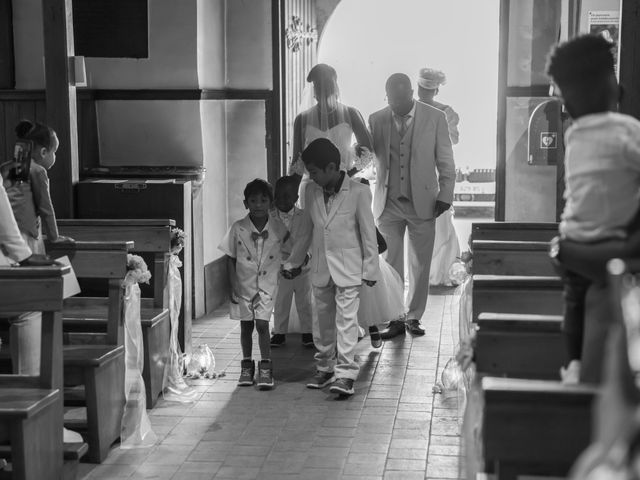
(329, 118)
(446, 247)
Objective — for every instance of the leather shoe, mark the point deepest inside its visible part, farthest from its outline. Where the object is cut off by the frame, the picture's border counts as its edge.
(414, 327)
(395, 328)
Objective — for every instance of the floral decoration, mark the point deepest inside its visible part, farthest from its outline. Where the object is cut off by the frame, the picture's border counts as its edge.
(178, 238)
(137, 269)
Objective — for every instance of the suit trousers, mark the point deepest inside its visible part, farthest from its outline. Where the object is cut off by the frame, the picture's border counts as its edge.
(397, 218)
(301, 288)
(335, 334)
(24, 342)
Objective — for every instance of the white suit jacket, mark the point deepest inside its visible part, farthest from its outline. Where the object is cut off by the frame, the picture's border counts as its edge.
(342, 242)
(433, 171)
(12, 245)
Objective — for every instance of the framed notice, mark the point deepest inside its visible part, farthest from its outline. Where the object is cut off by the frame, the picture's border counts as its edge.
(606, 23)
(111, 28)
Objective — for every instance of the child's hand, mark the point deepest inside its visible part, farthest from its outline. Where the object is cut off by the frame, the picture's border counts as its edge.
(233, 298)
(369, 283)
(37, 260)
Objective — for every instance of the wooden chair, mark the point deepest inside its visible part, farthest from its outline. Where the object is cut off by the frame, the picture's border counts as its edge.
(94, 370)
(31, 407)
(149, 236)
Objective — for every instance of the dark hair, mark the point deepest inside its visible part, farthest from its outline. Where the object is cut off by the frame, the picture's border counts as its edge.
(398, 78)
(286, 182)
(320, 153)
(258, 187)
(38, 133)
(325, 77)
(584, 61)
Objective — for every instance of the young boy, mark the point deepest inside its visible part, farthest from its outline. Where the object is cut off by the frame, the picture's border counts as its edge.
(338, 225)
(253, 246)
(602, 167)
(285, 198)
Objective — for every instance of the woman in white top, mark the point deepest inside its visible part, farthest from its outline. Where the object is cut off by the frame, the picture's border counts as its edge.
(329, 118)
(446, 247)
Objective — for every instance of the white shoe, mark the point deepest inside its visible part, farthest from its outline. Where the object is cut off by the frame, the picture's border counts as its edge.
(69, 436)
(571, 374)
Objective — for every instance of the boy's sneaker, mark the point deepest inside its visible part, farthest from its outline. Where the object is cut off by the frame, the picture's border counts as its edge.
(376, 339)
(277, 340)
(571, 374)
(307, 339)
(247, 372)
(342, 386)
(265, 375)
(321, 380)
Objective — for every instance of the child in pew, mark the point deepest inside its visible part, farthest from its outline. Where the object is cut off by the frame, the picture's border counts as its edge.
(286, 196)
(254, 248)
(31, 200)
(602, 168)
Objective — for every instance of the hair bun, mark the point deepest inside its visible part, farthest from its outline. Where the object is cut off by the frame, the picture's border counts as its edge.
(23, 128)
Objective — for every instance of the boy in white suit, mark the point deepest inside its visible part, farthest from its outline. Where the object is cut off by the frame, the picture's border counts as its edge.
(286, 196)
(338, 226)
(253, 246)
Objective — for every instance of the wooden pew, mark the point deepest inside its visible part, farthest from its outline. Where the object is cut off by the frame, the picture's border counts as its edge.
(149, 236)
(31, 407)
(516, 294)
(520, 345)
(534, 427)
(514, 231)
(94, 373)
(499, 257)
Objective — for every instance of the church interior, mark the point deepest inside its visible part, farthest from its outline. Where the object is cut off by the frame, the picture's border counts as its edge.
(163, 111)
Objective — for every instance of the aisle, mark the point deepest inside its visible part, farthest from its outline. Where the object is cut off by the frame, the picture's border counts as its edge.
(394, 427)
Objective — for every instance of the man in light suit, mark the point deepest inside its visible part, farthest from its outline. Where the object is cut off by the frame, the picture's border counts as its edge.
(414, 185)
(338, 225)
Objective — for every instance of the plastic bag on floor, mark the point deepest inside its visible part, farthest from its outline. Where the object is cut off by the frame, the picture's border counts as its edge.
(136, 429)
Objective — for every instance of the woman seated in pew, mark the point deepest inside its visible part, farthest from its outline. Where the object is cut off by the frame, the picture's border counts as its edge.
(602, 168)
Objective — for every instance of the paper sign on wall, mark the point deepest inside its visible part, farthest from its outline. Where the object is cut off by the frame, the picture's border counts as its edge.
(606, 23)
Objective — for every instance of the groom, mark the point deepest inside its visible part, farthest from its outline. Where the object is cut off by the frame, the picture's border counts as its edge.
(414, 185)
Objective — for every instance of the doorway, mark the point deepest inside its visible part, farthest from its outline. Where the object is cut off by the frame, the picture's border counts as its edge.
(367, 40)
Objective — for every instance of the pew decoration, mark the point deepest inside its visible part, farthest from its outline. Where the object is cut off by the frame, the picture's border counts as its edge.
(136, 429)
(461, 268)
(174, 387)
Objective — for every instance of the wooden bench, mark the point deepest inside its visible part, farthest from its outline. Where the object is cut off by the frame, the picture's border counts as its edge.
(31, 407)
(498, 257)
(94, 373)
(516, 294)
(520, 345)
(514, 231)
(534, 427)
(149, 236)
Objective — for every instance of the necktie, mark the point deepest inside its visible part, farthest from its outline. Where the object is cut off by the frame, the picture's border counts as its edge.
(263, 234)
(403, 125)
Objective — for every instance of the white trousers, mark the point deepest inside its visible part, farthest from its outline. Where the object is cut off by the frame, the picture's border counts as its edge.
(396, 219)
(301, 288)
(24, 341)
(335, 334)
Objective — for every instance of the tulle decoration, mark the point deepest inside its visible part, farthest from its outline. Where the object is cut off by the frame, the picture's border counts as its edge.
(458, 273)
(174, 388)
(136, 429)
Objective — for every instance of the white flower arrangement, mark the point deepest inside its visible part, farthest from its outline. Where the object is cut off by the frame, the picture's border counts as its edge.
(178, 238)
(137, 269)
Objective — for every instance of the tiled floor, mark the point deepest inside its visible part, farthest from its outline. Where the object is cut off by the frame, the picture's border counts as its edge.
(394, 427)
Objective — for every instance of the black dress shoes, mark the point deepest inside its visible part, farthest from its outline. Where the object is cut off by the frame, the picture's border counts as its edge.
(414, 327)
(395, 328)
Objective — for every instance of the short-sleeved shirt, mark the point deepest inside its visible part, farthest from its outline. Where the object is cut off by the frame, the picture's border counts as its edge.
(602, 176)
(257, 261)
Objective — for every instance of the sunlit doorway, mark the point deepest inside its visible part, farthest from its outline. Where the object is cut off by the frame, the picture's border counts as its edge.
(367, 40)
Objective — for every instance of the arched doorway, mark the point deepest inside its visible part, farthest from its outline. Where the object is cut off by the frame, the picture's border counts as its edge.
(367, 40)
